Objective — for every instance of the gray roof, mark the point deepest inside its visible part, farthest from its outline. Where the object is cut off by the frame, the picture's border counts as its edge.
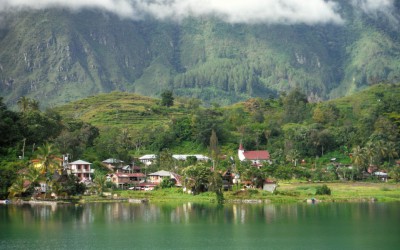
(161, 173)
(148, 157)
(112, 160)
(79, 162)
(127, 167)
(184, 157)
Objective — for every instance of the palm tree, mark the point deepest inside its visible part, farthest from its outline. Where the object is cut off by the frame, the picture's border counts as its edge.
(293, 156)
(17, 188)
(359, 158)
(33, 175)
(371, 153)
(381, 149)
(100, 182)
(23, 104)
(34, 104)
(47, 159)
(391, 151)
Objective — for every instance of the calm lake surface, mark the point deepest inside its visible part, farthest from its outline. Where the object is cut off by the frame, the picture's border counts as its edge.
(199, 226)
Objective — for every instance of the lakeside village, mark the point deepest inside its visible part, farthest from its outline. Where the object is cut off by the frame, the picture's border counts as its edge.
(135, 177)
(129, 176)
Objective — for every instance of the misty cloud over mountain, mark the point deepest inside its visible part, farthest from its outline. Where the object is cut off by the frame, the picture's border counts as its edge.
(233, 11)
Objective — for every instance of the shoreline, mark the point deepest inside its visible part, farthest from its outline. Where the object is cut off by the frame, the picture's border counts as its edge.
(287, 193)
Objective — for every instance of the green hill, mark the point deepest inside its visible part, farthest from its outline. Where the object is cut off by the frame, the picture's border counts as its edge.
(258, 123)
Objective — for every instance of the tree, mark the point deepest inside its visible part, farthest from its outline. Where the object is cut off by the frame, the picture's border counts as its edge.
(359, 158)
(215, 184)
(72, 186)
(47, 159)
(370, 153)
(167, 183)
(166, 161)
(10, 130)
(214, 148)
(23, 103)
(99, 182)
(167, 98)
(391, 151)
(197, 178)
(17, 188)
(26, 104)
(293, 156)
(295, 107)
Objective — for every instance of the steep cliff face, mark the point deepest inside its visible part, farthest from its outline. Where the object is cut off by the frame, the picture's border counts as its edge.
(57, 56)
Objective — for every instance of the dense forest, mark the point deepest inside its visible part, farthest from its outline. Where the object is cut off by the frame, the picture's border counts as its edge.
(333, 140)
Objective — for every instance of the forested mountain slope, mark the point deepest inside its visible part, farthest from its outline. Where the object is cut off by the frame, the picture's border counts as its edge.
(56, 55)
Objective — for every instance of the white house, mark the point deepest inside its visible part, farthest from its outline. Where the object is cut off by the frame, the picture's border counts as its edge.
(82, 170)
(151, 158)
(184, 157)
(148, 159)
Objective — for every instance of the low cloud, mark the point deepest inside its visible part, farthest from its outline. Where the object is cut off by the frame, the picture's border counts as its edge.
(373, 6)
(122, 8)
(233, 11)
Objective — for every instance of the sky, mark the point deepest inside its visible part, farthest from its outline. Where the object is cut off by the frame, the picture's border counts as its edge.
(232, 11)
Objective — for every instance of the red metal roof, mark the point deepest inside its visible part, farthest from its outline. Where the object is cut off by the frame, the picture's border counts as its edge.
(256, 155)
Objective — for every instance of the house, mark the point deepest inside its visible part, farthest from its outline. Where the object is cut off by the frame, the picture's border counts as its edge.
(269, 185)
(227, 180)
(129, 169)
(126, 180)
(82, 170)
(184, 157)
(113, 164)
(158, 177)
(148, 159)
(256, 157)
(151, 158)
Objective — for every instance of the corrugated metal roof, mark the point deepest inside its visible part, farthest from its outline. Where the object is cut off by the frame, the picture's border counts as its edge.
(256, 155)
(79, 162)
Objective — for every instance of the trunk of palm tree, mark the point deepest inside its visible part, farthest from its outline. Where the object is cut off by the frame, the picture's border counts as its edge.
(47, 158)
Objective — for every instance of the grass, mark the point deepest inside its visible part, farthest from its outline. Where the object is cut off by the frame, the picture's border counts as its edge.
(118, 109)
(352, 191)
(286, 193)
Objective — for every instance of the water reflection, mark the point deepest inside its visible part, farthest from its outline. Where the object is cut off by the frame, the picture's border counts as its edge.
(192, 225)
(188, 213)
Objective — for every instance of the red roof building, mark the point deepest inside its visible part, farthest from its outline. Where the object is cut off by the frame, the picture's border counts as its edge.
(256, 157)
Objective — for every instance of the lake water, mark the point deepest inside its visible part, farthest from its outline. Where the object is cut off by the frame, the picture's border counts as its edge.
(199, 226)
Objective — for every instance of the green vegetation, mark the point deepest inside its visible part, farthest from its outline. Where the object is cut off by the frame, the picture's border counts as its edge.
(57, 56)
(345, 139)
(286, 193)
(323, 190)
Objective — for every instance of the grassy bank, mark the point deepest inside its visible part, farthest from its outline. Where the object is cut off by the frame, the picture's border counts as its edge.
(285, 193)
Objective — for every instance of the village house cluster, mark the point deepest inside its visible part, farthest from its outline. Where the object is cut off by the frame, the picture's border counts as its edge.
(131, 176)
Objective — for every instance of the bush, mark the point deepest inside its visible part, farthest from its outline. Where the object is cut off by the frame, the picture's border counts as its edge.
(323, 190)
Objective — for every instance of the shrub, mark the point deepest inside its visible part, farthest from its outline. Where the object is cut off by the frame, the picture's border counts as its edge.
(323, 190)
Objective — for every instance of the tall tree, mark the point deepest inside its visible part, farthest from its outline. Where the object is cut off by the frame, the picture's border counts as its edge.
(295, 106)
(214, 148)
(359, 158)
(46, 155)
(167, 98)
(17, 188)
(23, 103)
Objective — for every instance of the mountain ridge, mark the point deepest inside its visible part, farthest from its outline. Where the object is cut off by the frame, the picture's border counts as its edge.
(58, 56)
